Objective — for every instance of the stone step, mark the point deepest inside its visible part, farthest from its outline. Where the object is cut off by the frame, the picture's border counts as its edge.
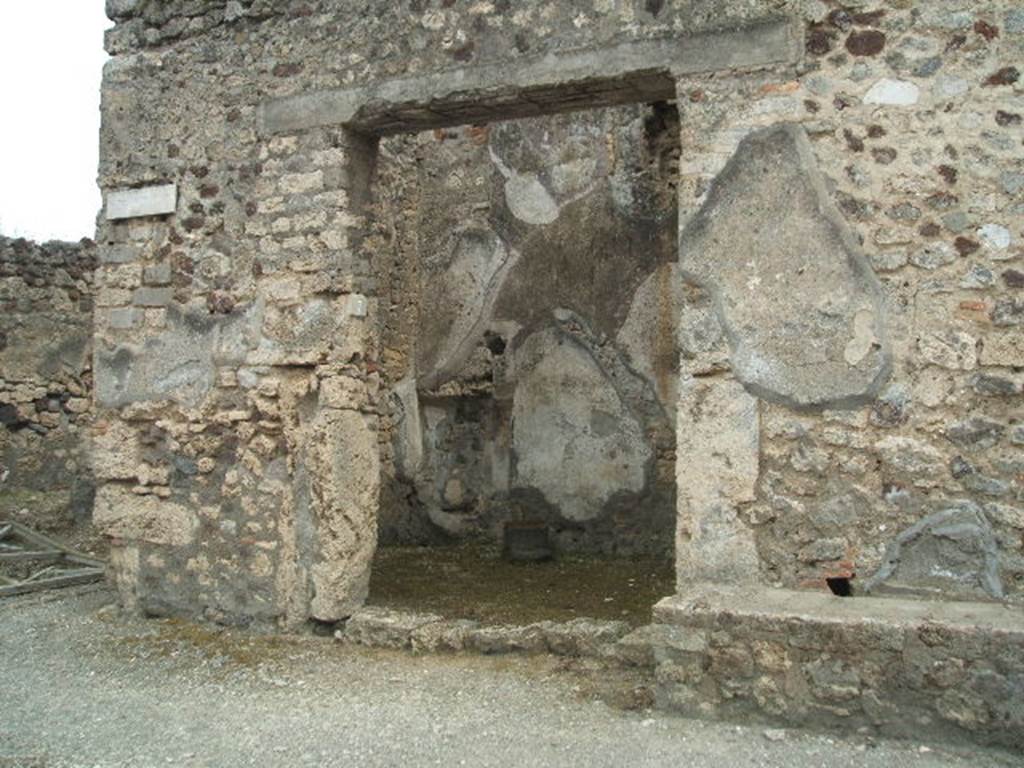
(426, 632)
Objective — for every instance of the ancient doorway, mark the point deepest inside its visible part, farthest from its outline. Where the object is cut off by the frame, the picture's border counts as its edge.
(529, 296)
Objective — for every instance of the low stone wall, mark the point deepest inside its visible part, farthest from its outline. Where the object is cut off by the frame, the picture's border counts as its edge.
(941, 670)
(45, 381)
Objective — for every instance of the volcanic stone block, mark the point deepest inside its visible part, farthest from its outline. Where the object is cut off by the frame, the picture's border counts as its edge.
(801, 308)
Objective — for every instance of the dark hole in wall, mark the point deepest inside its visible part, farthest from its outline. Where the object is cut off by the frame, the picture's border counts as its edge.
(495, 343)
(840, 586)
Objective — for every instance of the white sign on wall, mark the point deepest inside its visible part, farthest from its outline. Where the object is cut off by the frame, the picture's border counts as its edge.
(145, 201)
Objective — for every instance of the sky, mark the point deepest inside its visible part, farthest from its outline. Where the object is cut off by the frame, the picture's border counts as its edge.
(51, 62)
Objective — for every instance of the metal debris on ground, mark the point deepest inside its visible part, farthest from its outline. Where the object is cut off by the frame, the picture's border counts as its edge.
(30, 561)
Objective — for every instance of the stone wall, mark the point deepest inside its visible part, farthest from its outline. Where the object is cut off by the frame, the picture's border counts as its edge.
(46, 382)
(897, 668)
(534, 329)
(849, 265)
(913, 119)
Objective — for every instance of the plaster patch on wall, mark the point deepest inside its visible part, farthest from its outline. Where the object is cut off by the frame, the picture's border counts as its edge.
(574, 438)
(768, 222)
(528, 200)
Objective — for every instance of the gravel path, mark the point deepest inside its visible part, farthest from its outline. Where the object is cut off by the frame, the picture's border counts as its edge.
(82, 686)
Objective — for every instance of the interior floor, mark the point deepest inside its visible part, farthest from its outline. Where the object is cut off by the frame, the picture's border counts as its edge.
(472, 581)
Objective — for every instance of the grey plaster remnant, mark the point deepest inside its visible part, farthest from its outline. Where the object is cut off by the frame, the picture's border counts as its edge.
(451, 331)
(647, 335)
(803, 312)
(406, 416)
(179, 363)
(947, 553)
(144, 201)
(557, 82)
(574, 438)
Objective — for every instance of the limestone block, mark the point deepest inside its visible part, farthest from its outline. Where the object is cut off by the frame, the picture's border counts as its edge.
(1003, 347)
(344, 392)
(116, 453)
(123, 565)
(508, 639)
(911, 459)
(584, 637)
(121, 514)
(803, 312)
(384, 627)
(342, 469)
(442, 635)
(717, 460)
(954, 350)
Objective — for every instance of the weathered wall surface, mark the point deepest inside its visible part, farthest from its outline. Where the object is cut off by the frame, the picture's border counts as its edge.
(519, 257)
(45, 382)
(912, 114)
(850, 263)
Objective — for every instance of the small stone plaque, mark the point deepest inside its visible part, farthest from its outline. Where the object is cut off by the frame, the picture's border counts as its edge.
(145, 201)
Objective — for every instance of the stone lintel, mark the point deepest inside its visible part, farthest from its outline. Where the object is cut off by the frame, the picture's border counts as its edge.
(629, 72)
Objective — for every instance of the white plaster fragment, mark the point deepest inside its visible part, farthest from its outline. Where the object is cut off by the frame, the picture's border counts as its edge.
(995, 236)
(529, 201)
(896, 93)
(863, 337)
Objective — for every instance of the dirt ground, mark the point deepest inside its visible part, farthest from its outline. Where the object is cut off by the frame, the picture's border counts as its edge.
(472, 581)
(83, 685)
